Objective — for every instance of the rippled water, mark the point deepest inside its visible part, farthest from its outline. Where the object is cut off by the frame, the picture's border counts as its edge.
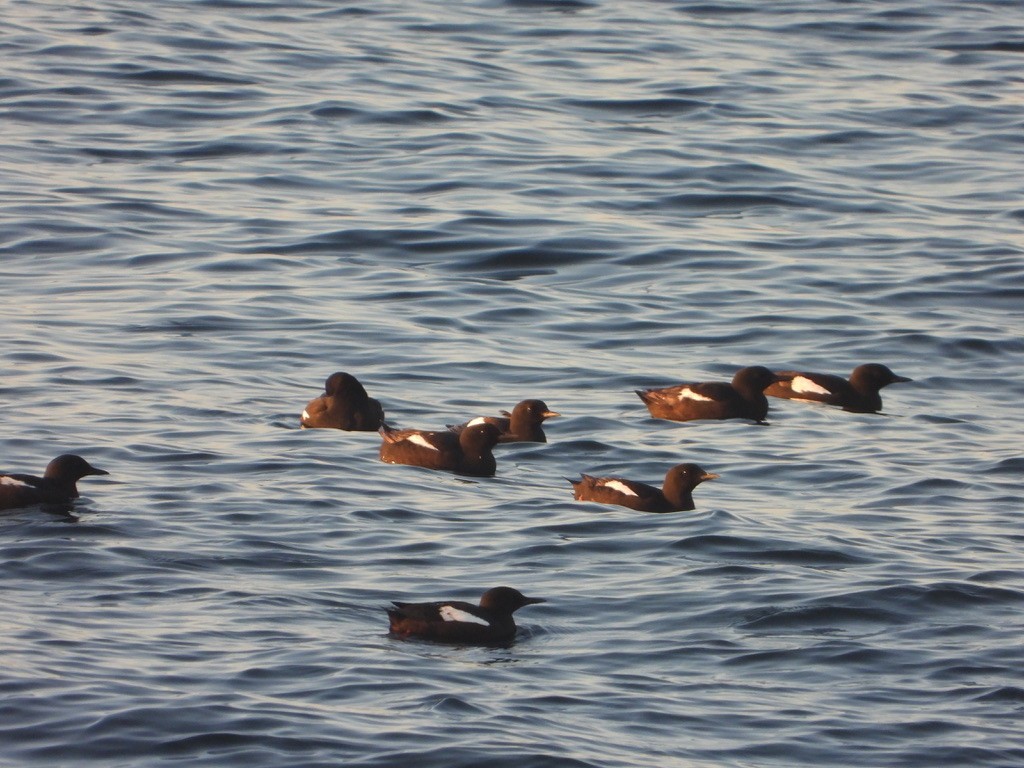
(208, 207)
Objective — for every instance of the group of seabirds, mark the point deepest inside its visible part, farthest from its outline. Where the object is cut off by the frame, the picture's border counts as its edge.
(467, 449)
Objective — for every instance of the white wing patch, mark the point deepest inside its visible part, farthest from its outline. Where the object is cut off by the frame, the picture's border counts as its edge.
(451, 613)
(477, 421)
(305, 413)
(688, 394)
(7, 480)
(804, 386)
(421, 441)
(621, 487)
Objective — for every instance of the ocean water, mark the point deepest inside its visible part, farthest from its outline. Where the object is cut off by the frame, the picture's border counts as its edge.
(208, 207)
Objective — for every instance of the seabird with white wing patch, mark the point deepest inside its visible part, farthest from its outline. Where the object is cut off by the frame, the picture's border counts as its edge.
(675, 495)
(859, 394)
(743, 398)
(455, 621)
(57, 486)
(523, 425)
(466, 453)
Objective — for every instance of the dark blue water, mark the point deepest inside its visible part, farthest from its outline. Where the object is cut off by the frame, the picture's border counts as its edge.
(208, 207)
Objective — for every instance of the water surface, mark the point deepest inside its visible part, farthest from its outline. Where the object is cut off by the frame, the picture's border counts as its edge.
(209, 207)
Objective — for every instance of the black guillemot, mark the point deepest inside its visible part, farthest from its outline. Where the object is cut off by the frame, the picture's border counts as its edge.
(56, 486)
(743, 398)
(455, 621)
(676, 495)
(344, 405)
(523, 425)
(859, 394)
(466, 453)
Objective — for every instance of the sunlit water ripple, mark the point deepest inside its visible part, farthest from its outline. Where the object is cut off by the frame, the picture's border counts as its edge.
(207, 209)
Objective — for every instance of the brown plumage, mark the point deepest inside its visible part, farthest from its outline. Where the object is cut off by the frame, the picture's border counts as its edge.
(456, 621)
(466, 453)
(344, 405)
(859, 394)
(675, 495)
(743, 398)
(523, 425)
(58, 485)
